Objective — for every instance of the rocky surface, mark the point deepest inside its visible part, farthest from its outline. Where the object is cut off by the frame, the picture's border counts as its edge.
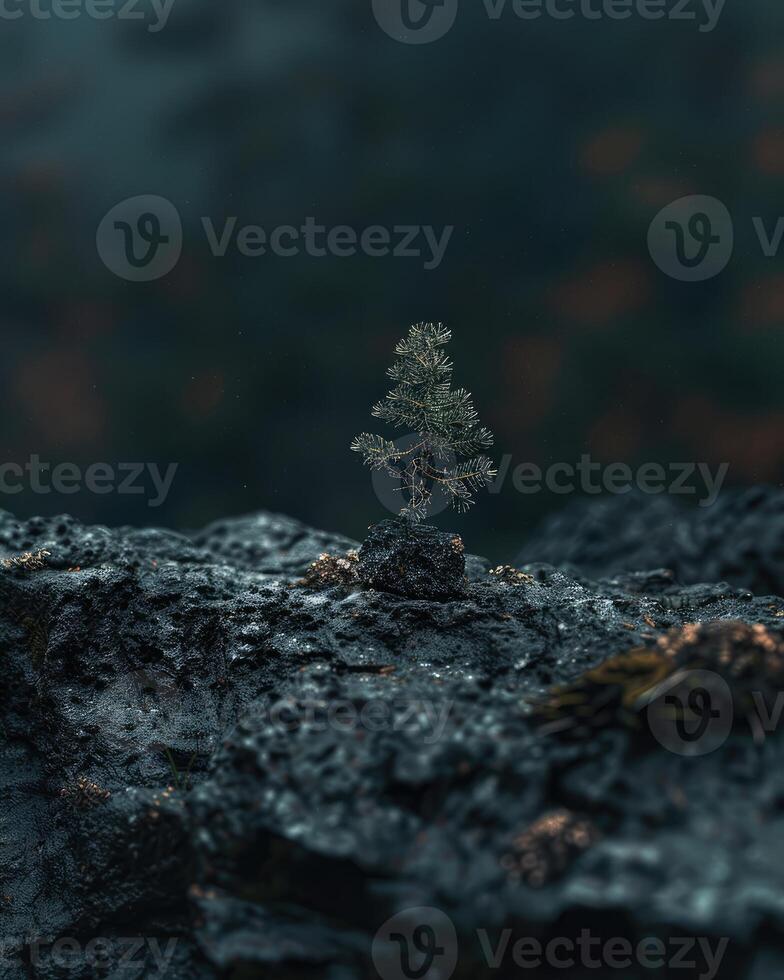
(211, 768)
(739, 539)
(413, 560)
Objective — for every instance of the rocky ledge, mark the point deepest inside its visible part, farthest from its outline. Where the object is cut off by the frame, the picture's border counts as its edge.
(219, 759)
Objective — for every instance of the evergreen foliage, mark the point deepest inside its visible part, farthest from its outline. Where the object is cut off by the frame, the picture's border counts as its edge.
(445, 420)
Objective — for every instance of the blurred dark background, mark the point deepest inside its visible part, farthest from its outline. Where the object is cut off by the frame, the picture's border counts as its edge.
(549, 145)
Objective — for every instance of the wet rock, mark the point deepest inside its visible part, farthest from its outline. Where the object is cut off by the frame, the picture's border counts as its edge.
(197, 749)
(414, 560)
(739, 539)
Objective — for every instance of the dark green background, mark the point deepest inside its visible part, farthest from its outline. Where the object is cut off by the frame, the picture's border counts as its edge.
(548, 145)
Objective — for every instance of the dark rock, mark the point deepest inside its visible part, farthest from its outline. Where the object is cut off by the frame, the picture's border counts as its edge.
(739, 539)
(269, 543)
(414, 560)
(254, 775)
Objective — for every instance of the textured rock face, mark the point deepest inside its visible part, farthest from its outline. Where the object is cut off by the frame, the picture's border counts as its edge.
(740, 539)
(249, 777)
(413, 560)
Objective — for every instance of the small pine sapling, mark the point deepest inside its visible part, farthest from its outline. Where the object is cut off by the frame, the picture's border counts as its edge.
(445, 421)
